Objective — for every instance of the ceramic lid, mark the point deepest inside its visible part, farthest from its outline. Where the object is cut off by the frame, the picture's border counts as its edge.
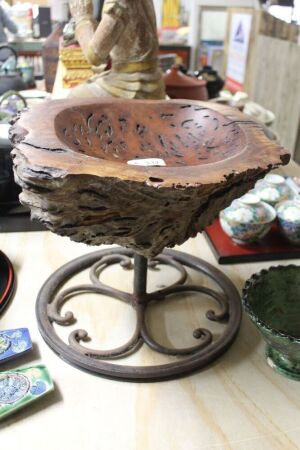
(273, 189)
(249, 199)
(289, 210)
(274, 179)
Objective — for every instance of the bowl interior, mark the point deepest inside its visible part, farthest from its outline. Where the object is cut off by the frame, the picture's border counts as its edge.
(275, 300)
(180, 134)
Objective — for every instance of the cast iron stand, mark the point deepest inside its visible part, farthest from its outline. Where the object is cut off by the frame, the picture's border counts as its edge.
(50, 302)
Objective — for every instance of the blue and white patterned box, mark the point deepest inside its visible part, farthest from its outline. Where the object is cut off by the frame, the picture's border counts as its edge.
(14, 343)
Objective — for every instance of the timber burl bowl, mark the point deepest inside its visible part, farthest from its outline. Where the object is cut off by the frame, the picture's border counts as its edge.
(71, 160)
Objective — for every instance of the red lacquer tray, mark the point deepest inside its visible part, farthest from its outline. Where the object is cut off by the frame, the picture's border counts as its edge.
(273, 246)
(6, 281)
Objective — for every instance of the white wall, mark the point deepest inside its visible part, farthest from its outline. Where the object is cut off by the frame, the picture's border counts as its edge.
(195, 18)
(213, 25)
(158, 11)
(194, 8)
(59, 10)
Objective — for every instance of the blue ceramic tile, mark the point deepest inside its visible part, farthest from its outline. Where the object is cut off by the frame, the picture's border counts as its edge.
(14, 343)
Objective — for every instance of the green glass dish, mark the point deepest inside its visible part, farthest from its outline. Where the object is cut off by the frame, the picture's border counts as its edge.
(272, 300)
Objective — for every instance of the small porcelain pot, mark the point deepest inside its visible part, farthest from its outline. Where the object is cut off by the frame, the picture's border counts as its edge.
(271, 298)
(247, 219)
(273, 189)
(288, 213)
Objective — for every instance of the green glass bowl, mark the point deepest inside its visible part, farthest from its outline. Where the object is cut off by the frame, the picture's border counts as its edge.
(272, 300)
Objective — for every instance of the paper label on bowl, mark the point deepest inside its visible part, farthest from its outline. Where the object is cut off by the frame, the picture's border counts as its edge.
(147, 162)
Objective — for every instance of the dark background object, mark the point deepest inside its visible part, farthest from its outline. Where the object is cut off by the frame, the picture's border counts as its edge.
(10, 78)
(14, 217)
(44, 19)
(9, 191)
(182, 51)
(214, 82)
(98, 5)
(289, 3)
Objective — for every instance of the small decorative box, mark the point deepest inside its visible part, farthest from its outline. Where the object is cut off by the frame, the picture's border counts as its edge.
(20, 387)
(13, 343)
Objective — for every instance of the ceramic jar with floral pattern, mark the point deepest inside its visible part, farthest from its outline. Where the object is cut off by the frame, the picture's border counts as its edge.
(273, 189)
(247, 219)
(288, 213)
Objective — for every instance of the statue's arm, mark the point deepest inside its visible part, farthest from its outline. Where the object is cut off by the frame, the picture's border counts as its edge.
(82, 12)
(106, 36)
(97, 44)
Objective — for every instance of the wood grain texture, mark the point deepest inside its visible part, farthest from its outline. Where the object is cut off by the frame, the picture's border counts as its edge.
(275, 85)
(70, 158)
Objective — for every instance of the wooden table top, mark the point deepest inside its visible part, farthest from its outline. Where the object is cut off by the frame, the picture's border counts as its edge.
(238, 403)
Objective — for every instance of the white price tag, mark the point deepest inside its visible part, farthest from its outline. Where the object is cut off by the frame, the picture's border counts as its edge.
(147, 162)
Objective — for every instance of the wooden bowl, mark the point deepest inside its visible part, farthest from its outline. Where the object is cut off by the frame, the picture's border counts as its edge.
(71, 160)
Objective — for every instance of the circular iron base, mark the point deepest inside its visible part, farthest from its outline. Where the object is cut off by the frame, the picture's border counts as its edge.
(51, 299)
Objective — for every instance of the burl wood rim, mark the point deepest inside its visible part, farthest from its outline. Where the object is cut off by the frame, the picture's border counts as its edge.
(231, 142)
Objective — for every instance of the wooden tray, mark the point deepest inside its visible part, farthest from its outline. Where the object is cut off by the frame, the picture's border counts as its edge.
(273, 246)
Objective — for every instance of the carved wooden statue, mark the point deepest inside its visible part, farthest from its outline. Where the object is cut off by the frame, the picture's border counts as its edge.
(127, 34)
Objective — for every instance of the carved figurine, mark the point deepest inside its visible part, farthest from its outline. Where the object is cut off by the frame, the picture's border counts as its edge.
(126, 33)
